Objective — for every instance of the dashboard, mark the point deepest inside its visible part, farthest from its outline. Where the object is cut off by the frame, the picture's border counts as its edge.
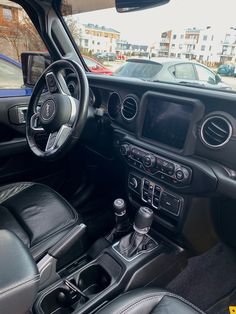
(175, 142)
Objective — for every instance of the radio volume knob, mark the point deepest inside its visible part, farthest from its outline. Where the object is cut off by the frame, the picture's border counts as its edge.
(149, 161)
(182, 174)
(124, 149)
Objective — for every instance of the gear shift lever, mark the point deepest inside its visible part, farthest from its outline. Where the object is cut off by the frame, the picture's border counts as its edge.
(138, 241)
(143, 220)
(122, 224)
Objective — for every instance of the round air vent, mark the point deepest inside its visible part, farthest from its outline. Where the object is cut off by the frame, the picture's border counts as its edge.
(129, 108)
(216, 131)
(113, 106)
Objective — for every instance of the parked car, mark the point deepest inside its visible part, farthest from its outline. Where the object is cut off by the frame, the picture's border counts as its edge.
(96, 67)
(121, 57)
(11, 79)
(106, 56)
(172, 71)
(226, 70)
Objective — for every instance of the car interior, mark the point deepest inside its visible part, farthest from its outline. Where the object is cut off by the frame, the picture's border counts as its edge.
(117, 195)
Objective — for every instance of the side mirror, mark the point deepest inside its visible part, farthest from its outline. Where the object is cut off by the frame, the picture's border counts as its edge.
(33, 65)
(123, 6)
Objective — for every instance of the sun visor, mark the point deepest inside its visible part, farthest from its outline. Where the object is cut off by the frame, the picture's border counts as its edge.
(70, 7)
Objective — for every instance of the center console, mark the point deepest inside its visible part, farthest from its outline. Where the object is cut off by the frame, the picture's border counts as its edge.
(153, 181)
(140, 258)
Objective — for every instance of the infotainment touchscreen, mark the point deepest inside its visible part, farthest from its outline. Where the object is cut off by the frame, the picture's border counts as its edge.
(167, 122)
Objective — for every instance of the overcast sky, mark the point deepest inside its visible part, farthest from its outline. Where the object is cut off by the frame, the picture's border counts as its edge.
(146, 26)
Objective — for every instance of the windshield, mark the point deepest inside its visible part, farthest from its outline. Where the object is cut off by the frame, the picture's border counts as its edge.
(188, 43)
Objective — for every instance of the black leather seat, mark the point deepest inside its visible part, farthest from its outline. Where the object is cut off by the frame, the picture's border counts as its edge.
(153, 301)
(38, 215)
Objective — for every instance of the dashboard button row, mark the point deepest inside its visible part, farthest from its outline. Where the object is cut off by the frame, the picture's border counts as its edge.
(163, 169)
(155, 195)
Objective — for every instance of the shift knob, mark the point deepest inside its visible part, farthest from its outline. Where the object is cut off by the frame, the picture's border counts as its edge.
(119, 207)
(143, 220)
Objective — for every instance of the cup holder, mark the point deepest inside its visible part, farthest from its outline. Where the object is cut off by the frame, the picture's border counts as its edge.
(93, 280)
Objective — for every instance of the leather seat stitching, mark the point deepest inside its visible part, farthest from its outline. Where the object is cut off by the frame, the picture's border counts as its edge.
(22, 283)
(136, 303)
(68, 223)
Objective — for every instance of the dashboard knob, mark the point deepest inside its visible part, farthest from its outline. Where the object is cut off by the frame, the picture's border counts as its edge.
(124, 149)
(149, 160)
(134, 183)
(182, 174)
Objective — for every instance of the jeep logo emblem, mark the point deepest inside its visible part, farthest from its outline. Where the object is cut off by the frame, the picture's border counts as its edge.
(48, 110)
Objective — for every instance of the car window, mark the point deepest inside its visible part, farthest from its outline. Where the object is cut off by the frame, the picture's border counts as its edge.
(11, 75)
(144, 70)
(184, 71)
(196, 36)
(17, 35)
(205, 75)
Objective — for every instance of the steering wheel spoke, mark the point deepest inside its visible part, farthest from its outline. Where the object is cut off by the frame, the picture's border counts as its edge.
(35, 124)
(57, 139)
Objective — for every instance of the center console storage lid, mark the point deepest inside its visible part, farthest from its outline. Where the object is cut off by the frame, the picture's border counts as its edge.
(19, 277)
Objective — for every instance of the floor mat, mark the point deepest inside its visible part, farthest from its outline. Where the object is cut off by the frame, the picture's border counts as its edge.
(208, 278)
(222, 307)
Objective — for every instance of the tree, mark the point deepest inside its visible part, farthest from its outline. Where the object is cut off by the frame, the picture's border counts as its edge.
(72, 24)
(23, 37)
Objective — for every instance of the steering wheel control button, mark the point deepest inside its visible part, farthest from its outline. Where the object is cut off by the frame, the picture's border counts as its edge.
(51, 82)
(48, 110)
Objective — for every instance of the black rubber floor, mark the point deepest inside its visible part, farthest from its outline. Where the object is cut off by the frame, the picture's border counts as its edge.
(208, 278)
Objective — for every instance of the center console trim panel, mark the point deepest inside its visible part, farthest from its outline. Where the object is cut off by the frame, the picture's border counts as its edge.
(114, 246)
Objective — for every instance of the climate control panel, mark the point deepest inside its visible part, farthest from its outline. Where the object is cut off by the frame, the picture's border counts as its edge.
(155, 195)
(161, 168)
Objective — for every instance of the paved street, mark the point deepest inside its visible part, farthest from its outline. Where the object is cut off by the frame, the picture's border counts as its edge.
(231, 81)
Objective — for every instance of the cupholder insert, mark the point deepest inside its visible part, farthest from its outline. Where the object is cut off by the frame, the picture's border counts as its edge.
(93, 280)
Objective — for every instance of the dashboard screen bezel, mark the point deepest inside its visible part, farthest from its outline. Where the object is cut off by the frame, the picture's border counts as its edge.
(197, 114)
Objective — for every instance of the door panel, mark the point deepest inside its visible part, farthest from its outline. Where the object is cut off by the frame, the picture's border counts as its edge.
(17, 162)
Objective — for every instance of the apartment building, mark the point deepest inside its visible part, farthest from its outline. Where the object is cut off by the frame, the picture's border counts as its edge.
(205, 45)
(124, 47)
(94, 38)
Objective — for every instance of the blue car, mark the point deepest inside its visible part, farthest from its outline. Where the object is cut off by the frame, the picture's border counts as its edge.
(11, 78)
(226, 70)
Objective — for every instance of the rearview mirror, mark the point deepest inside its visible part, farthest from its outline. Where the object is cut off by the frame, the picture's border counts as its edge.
(123, 6)
(33, 65)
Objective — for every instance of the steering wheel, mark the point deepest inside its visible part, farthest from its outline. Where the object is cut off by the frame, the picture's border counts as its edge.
(60, 115)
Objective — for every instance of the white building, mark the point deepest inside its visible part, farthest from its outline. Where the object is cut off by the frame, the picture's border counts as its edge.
(206, 45)
(94, 38)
